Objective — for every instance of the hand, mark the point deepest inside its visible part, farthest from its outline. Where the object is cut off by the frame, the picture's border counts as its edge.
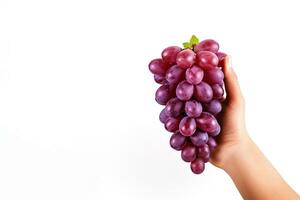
(232, 119)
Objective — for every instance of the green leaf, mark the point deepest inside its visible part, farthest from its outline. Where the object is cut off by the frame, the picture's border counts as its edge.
(186, 45)
(194, 40)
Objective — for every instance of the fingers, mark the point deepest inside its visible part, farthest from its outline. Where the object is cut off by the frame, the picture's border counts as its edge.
(232, 87)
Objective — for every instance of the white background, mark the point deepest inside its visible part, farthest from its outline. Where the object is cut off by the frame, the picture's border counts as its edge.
(78, 118)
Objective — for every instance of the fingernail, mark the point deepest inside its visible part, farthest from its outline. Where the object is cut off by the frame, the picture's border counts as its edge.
(229, 61)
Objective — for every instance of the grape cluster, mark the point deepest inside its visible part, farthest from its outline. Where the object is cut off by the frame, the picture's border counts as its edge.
(192, 91)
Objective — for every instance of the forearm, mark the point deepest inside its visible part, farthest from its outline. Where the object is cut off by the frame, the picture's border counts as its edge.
(254, 176)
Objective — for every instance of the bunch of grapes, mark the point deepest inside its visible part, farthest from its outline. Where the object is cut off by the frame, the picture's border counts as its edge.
(191, 80)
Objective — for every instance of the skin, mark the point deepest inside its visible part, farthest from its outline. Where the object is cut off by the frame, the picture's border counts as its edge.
(251, 172)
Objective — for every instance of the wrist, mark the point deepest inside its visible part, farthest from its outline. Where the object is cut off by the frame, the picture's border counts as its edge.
(237, 152)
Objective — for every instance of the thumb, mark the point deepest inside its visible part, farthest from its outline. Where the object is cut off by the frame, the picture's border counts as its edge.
(233, 91)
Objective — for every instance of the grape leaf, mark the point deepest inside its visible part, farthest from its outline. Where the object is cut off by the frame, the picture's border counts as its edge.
(186, 45)
(194, 40)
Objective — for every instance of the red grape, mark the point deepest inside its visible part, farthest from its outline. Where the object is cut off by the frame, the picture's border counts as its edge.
(177, 141)
(212, 144)
(184, 90)
(172, 124)
(221, 57)
(169, 54)
(207, 60)
(216, 132)
(174, 107)
(213, 107)
(163, 117)
(204, 152)
(197, 166)
(218, 91)
(213, 76)
(186, 58)
(193, 108)
(159, 79)
(157, 66)
(164, 93)
(189, 153)
(199, 138)
(207, 45)
(194, 75)
(175, 74)
(203, 92)
(187, 126)
(207, 122)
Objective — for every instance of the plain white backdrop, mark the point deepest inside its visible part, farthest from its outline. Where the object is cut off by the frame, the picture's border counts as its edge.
(78, 119)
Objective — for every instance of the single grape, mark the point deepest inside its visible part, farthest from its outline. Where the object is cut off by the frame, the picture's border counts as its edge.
(193, 108)
(169, 54)
(216, 132)
(194, 75)
(174, 107)
(204, 152)
(189, 153)
(218, 91)
(172, 124)
(186, 58)
(203, 92)
(213, 76)
(207, 122)
(163, 117)
(221, 57)
(207, 60)
(199, 138)
(175, 74)
(157, 66)
(213, 107)
(164, 93)
(197, 166)
(187, 126)
(212, 144)
(177, 141)
(184, 90)
(207, 45)
(159, 79)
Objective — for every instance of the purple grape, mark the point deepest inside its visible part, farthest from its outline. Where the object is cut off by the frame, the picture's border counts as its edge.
(207, 60)
(164, 93)
(169, 54)
(203, 92)
(221, 57)
(199, 138)
(172, 124)
(212, 144)
(174, 107)
(186, 58)
(177, 141)
(207, 122)
(218, 91)
(187, 126)
(189, 153)
(207, 45)
(216, 132)
(175, 74)
(204, 152)
(159, 79)
(184, 90)
(213, 76)
(197, 166)
(213, 107)
(157, 66)
(193, 108)
(194, 75)
(163, 117)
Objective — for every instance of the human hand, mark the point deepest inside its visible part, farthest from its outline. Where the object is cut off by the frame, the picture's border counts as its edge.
(232, 120)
